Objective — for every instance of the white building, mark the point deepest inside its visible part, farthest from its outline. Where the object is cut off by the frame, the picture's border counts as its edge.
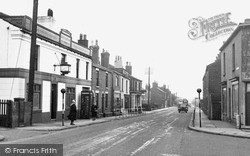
(53, 49)
(123, 82)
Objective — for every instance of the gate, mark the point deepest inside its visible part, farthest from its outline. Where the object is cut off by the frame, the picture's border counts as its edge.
(5, 113)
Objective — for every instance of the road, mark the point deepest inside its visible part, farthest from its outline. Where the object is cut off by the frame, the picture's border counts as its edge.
(158, 134)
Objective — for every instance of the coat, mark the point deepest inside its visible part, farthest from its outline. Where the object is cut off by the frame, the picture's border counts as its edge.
(72, 112)
(94, 110)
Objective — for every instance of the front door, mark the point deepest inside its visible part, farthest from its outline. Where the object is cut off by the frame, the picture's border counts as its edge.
(248, 105)
(53, 104)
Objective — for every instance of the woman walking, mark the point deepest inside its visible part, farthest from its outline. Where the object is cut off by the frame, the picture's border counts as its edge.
(72, 112)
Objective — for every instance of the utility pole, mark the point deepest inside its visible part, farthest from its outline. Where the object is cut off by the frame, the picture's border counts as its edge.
(32, 57)
(148, 85)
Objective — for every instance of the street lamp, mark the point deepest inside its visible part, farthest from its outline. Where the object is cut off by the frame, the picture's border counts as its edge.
(199, 91)
(63, 92)
(64, 68)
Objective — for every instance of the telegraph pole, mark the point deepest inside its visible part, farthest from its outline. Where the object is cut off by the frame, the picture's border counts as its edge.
(148, 85)
(32, 57)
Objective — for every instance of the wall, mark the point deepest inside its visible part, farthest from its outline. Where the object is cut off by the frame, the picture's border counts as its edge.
(11, 88)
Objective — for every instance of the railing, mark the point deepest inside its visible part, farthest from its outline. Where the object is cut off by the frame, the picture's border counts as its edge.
(130, 112)
(5, 113)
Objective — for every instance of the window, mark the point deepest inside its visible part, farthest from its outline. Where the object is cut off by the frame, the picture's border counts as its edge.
(63, 59)
(224, 64)
(97, 77)
(36, 61)
(117, 81)
(77, 67)
(87, 70)
(97, 99)
(235, 99)
(126, 86)
(37, 96)
(106, 100)
(122, 84)
(107, 79)
(233, 57)
(224, 101)
(139, 86)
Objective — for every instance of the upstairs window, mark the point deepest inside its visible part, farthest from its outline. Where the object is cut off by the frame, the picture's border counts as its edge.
(224, 64)
(233, 57)
(97, 77)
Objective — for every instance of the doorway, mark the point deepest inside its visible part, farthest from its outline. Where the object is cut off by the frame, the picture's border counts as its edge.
(248, 104)
(53, 104)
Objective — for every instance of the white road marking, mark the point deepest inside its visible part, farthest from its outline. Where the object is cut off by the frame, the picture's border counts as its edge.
(143, 146)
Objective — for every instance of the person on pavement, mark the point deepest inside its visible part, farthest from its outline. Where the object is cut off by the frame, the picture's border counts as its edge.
(72, 112)
(94, 111)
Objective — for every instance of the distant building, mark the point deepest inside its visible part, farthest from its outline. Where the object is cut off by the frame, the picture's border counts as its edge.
(212, 90)
(235, 75)
(135, 90)
(158, 96)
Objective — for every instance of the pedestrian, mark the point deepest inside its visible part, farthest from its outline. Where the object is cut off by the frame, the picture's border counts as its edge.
(72, 112)
(94, 111)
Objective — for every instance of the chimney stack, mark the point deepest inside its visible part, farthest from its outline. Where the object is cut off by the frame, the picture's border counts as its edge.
(95, 53)
(84, 42)
(48, 21)
(118, 62)
(105, 58)
(129, 68)
(50, 13)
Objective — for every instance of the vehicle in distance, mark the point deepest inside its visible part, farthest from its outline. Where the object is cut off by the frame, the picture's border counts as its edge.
(183, 105)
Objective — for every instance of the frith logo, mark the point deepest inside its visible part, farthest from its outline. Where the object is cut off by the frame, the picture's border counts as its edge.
(210, 28)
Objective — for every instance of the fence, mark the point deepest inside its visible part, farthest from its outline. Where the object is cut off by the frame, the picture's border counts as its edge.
(14, 114)
(129, 112)
(5, 113)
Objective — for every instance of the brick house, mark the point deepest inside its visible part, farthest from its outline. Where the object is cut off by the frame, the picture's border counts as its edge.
(158, 96)
(235, 75)
(102, 86)
(212, 90)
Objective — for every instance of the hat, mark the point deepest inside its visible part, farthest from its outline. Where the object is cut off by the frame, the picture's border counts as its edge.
(73, 101)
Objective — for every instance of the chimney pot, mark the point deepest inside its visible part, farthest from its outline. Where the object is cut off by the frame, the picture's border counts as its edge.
(247, 21)
(50, 13)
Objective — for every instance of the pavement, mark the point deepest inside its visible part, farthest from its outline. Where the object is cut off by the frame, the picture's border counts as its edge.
(207, 126)
(216, 126)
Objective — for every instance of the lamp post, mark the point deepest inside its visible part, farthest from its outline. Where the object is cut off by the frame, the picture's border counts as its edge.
(63, 92)
(199, 91)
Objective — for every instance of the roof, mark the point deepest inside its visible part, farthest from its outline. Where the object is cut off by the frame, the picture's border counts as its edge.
(63, 39)
(239, 27)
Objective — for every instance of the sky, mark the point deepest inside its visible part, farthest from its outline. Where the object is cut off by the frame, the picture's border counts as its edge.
(147, 33)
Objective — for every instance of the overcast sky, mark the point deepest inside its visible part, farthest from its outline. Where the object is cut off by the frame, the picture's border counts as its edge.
(147, 33)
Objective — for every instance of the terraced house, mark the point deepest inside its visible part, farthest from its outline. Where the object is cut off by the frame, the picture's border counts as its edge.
(235, 76)
(102, 86)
